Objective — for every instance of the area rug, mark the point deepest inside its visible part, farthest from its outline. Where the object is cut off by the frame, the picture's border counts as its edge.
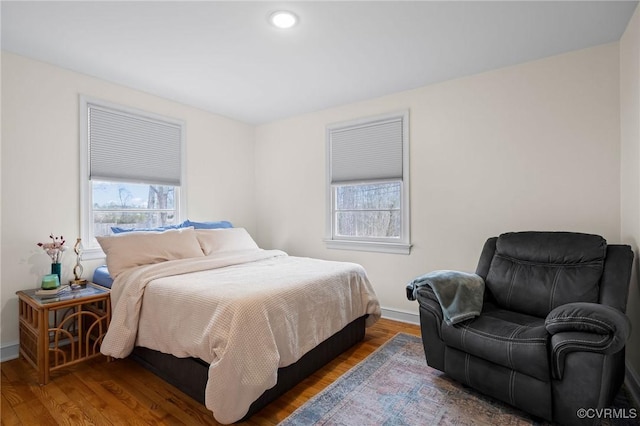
(394, 386)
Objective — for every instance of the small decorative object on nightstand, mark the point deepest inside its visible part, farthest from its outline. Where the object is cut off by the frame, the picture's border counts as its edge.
(55, 249)
(78, 269)
(52, 292)
(50, 282)
(62, 329)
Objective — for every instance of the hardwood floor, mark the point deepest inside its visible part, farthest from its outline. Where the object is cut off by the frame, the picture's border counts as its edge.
(123, 393)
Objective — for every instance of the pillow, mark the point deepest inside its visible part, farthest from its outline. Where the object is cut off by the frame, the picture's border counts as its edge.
(118, 230)
(208, 225)
(214, 241)
(101, 276)
(131, 249)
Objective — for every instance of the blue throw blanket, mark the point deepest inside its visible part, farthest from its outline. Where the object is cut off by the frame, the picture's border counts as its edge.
(460, 294)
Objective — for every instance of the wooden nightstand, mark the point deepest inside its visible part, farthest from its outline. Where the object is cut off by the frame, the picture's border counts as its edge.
(63, 330)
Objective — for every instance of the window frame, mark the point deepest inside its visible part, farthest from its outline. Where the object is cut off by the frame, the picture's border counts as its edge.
(394, 245)
(93, 251)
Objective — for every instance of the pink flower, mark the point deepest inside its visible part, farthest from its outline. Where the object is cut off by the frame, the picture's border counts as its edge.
(55, 248)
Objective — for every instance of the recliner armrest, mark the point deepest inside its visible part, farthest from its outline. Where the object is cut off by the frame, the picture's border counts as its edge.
(428, 302)
(585, 327)
(427, 299)
(589, 318)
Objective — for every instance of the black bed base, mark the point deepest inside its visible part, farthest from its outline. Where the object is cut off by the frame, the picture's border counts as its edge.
(190, 374)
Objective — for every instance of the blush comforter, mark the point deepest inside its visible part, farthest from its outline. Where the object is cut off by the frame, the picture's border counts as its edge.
(246, 313)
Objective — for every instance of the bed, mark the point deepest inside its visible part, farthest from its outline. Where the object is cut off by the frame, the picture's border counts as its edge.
(232, 325)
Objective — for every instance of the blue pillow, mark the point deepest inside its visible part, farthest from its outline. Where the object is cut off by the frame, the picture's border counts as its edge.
(101, 277)
(118, 230)
(207, 225)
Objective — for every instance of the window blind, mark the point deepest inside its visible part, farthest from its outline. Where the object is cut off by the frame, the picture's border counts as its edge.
(133, 148)
(371, 151)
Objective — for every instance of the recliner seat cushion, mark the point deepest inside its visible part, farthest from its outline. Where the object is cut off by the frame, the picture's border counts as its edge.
(534, 272)
(510, 339)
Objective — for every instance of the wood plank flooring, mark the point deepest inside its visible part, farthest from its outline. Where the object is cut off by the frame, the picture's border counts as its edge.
(123, 393)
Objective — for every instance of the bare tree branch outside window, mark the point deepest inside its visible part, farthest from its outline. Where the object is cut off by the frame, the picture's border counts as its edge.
(368, 210)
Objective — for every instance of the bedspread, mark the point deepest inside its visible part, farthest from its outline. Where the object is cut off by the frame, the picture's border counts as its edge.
(245, 313)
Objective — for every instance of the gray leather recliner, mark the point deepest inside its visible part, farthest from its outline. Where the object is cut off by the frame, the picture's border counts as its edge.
(552, 332)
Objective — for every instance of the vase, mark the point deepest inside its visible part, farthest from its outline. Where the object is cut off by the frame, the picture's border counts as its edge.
(56, 268)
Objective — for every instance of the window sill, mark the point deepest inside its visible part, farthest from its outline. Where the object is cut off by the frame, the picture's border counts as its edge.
(93, 253)
(373, 246)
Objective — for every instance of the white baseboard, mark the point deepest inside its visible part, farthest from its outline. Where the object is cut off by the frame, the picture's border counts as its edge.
(632, 382)
(9, 351)
(402, 316)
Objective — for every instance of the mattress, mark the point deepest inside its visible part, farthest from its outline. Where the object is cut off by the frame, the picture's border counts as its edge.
(213, 299)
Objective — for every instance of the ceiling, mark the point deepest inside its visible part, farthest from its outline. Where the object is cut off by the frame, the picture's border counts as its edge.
(225, 58)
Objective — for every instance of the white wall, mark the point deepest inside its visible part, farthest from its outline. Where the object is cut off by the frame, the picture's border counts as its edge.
(533, 146)
(40, 168)
(630, 174)
(529, 147)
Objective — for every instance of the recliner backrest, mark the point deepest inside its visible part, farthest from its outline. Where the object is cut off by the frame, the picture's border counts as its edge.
(534, 272)
(614, 285)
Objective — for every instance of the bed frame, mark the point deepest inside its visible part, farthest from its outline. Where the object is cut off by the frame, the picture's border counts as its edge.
(190, 374)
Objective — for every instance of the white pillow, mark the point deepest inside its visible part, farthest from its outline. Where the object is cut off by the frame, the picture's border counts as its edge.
(131, 249)
(214, 241)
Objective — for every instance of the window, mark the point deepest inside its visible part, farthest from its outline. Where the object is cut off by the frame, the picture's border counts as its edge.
(131, 170)
(368, 184)
(131, 205)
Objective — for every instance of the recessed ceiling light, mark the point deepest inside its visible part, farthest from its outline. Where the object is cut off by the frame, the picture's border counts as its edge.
(283, 19)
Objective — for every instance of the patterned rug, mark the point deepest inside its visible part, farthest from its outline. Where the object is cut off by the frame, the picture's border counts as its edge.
(394, 386)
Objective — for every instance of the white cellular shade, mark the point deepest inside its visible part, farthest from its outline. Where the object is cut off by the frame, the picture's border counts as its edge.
(129, 147)
(366, 152)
